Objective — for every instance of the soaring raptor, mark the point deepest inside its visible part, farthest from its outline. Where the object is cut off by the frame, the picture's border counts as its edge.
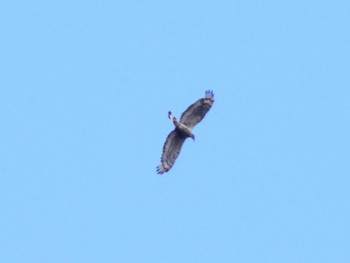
(183, 130)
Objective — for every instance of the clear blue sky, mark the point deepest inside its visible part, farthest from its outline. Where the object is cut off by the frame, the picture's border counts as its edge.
(85, 91)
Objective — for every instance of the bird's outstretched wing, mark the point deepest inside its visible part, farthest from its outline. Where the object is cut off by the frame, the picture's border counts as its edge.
(171, 150)
(196, 112)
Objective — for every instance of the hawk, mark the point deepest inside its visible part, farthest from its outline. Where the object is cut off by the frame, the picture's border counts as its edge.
(183, 130)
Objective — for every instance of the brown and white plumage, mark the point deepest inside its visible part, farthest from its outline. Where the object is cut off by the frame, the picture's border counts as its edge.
(183, 130)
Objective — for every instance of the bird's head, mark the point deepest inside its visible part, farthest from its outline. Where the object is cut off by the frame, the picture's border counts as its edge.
(192, 136)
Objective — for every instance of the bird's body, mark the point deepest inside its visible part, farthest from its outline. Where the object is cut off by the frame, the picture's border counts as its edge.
(183, 130)
(180, 127)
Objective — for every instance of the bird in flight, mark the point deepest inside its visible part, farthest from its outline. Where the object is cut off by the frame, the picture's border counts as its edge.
(183, 130)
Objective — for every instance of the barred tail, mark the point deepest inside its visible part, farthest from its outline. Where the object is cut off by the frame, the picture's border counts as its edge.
(171, 116)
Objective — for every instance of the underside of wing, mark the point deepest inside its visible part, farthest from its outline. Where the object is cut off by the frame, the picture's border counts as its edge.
(196, 112)
(171, 150)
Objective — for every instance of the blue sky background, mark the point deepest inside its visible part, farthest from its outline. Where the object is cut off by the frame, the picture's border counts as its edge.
(85, 91)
